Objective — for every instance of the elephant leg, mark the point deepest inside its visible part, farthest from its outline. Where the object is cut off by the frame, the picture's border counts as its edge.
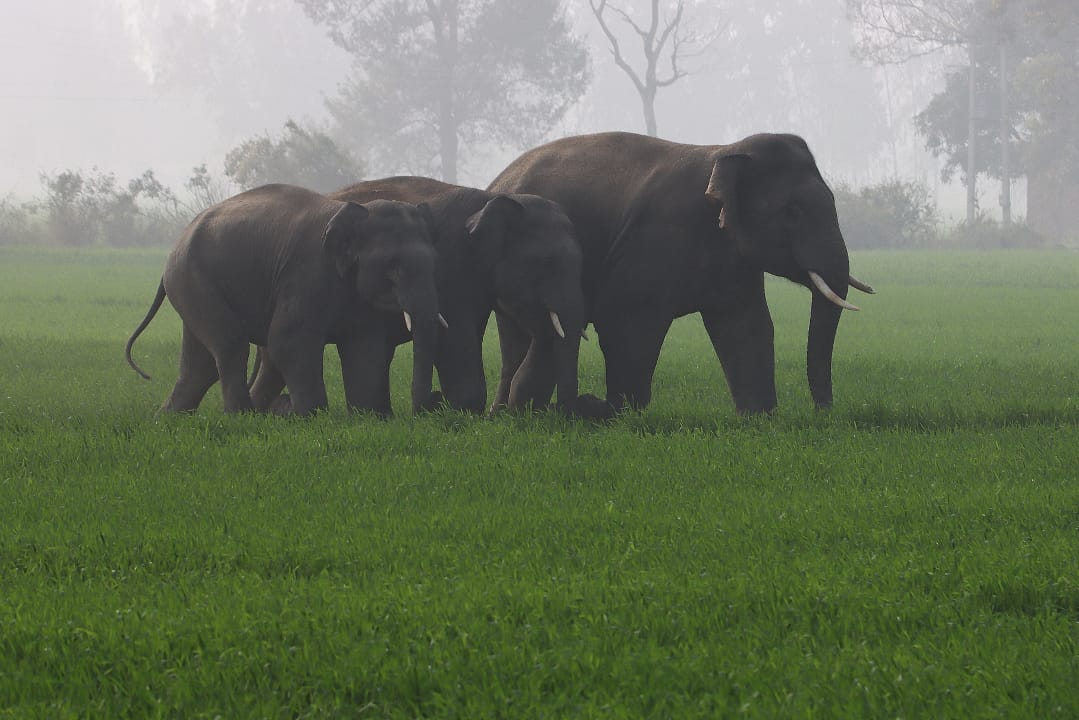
(533, 383)
(514, 342)
(744, 345)
(198, 373)
(460, 370)
(631, 345)
(268, 383)
(232, 368)
(297, 352)
(365, 370)
(742, 336)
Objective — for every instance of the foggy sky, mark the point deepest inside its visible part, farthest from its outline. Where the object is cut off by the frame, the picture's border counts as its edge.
(82, 86)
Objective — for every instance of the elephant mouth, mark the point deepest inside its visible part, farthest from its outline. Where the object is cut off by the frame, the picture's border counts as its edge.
(831, 295)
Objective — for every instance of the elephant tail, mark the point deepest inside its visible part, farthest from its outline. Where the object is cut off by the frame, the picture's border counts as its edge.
(158, 299)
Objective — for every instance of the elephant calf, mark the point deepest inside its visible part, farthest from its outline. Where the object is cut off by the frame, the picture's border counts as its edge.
(293, 270)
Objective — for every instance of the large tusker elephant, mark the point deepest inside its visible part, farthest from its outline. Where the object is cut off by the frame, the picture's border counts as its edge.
(669, 229)
(514, 252)
(293, 270)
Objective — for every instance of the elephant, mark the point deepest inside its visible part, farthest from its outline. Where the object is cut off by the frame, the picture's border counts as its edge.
(516, 252)
(294, 270)
(668, 229)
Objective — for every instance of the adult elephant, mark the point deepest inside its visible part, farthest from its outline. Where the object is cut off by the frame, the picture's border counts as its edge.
(669, 229)
(514, 252)
(293, 270)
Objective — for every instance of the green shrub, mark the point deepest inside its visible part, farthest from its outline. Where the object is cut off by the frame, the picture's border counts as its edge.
(17, 224)
(893, 214)
(988, 234)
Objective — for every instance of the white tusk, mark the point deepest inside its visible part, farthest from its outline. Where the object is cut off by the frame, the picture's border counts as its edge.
(859, 285)
(829, 293)
(443, 321)
(557, 325)
(408, 321)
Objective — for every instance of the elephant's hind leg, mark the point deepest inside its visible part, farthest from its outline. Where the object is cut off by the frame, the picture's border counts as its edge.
(198, 373)
(222, 334)
(268, 383)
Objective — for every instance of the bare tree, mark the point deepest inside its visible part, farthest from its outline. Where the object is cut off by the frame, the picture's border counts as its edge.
(669, 43)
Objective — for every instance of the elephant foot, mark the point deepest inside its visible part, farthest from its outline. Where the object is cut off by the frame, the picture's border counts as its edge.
(434, 402)
(591, 407)
(280, 405)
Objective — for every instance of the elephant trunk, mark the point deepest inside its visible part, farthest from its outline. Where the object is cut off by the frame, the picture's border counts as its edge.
(567, 323)
(420, 305)
(827, 269)
(823, 324)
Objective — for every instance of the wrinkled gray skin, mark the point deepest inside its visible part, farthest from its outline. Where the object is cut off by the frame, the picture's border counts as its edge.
(669, 229)
(293, 270)
(514, 252)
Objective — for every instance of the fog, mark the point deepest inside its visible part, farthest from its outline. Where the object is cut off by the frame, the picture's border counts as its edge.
(129, 85)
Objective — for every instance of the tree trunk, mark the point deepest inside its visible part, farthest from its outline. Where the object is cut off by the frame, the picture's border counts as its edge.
(1005, 133)
(1053, 208)
(444, 19)
(648, 101)
(972, 169)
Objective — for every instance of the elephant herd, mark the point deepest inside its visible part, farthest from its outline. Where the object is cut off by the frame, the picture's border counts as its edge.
(622, 231)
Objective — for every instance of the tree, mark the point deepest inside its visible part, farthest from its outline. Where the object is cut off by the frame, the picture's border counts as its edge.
(664, 39)
(1026, 57)
(896, 31)
(309, 158)
(429, 76)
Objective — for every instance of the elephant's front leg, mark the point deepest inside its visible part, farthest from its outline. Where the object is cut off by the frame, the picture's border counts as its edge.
(365, 370)
(460, 369)
(742, 336)
(631, 343)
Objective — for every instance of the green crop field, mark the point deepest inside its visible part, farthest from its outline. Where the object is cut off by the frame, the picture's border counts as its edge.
(912, 553)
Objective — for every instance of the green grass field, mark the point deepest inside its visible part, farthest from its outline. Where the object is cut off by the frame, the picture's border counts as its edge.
(913, 553)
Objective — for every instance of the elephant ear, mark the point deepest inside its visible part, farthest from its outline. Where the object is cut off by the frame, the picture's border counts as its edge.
(343, 236)
(722, 188)
(489, 226)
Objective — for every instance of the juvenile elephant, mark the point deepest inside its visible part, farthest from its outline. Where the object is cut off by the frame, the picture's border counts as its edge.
(293, 270)
(514, 252)
(669, 229)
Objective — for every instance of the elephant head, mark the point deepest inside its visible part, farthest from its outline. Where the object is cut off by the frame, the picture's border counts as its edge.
(529, 245)
(774, 203)
(385, 250)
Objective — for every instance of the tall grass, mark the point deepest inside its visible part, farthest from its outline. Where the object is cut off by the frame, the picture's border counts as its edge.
(911, 553)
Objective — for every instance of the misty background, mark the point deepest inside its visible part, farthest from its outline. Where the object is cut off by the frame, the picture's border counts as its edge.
(207, 95)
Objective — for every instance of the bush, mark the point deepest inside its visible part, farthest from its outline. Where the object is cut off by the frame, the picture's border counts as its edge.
(893, 214)
(309, 158)
(94, 208)
(987, 234)
(17, 222)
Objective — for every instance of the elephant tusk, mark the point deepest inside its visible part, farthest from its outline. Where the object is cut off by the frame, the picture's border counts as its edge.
(829, 293)
(557, 325)
(859, 285)
(443, 321)
(408, 321)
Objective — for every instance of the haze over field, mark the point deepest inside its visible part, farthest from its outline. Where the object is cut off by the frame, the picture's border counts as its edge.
(130, 85)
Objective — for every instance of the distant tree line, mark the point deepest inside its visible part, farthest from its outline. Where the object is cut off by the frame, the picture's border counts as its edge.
(81, 208)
